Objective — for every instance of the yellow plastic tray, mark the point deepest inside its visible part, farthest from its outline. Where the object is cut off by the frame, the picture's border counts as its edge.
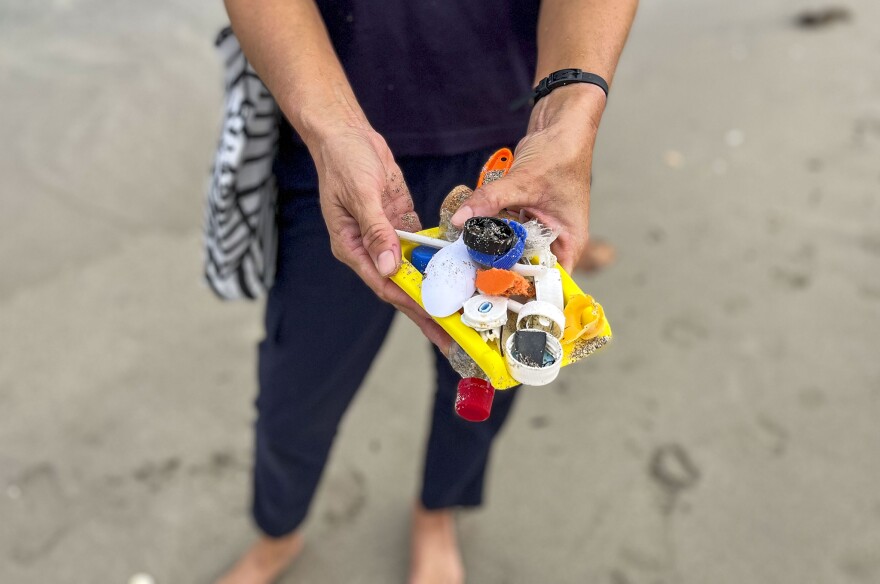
(487, 356)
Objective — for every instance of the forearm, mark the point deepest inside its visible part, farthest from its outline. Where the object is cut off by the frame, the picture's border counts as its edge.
(287, 43)
(581, 34)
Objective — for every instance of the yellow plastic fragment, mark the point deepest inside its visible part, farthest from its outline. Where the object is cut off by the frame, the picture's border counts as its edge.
(583, 318)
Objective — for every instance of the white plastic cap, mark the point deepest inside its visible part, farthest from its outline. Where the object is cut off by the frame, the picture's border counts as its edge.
(530, 374)
(541, 315)
(484, 312)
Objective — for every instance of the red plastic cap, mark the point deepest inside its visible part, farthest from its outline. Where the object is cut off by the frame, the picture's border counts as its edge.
(473, 402)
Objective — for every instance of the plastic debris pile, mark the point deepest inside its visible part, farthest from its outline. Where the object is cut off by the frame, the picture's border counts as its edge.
(501, 278)
(512, 303)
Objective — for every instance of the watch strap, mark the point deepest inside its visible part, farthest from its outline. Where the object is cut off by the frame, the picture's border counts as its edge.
(566, 77)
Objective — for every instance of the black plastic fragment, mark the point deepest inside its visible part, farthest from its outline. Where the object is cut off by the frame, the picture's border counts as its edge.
(529, 346)
(489, 235)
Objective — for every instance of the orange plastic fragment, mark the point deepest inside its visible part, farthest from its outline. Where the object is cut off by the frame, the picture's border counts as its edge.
(496, 167)
(495, 282)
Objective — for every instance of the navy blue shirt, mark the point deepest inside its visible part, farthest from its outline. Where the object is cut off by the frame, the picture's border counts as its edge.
(436, 77)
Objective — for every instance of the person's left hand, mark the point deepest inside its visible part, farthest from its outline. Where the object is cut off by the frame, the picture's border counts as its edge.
(550, 175)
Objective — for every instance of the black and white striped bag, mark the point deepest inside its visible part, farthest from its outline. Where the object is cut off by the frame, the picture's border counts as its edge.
(241, 236)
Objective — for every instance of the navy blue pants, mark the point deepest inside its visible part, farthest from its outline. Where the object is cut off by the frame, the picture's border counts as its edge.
(304, 392)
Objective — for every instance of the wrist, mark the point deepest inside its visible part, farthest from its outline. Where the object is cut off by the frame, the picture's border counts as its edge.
(577, 107)
(320, 118)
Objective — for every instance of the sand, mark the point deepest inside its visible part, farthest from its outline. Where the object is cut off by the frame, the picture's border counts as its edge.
(729, 434)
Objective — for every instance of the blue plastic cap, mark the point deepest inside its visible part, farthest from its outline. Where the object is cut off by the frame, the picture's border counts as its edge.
(506, 261)
(420, 257)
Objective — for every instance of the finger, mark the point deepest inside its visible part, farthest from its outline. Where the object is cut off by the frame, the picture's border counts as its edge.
(408, 221)
(489, 200)
(378, 237)
(429, 327)
(391, 293)
(397, 203)
(567, 263)
(565, 254)
(384, 288)
(377, 222)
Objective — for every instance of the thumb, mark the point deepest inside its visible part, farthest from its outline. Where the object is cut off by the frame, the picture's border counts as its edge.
(488, 201)
(379, 239)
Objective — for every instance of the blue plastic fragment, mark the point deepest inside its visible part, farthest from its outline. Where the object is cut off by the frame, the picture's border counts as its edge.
(420, 257)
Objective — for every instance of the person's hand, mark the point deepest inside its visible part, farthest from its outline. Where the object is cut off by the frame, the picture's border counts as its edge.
(364, 199)
(550, 175)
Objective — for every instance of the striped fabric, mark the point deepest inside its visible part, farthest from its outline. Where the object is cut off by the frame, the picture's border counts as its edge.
(240, 230)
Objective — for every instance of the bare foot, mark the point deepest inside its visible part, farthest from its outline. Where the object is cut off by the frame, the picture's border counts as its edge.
(599, 254)
(265, 560)
(435, 555)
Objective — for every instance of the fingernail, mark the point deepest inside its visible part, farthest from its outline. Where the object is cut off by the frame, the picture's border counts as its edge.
(386, 264)
(462, 215)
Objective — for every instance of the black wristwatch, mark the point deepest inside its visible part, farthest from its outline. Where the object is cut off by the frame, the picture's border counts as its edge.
(567, 77)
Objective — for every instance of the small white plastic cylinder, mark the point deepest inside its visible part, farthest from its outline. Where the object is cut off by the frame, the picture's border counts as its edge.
(555, 319)
(528, 270)
(423, 239)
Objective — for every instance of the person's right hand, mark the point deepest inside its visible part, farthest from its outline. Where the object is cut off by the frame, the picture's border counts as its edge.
(364, 199)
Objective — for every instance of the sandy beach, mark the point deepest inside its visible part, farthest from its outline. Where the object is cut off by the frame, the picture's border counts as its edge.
(730, 434)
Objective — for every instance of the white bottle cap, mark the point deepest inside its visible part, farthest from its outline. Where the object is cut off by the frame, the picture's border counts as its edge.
(530, 374)
(541, 315)
(484, 312)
